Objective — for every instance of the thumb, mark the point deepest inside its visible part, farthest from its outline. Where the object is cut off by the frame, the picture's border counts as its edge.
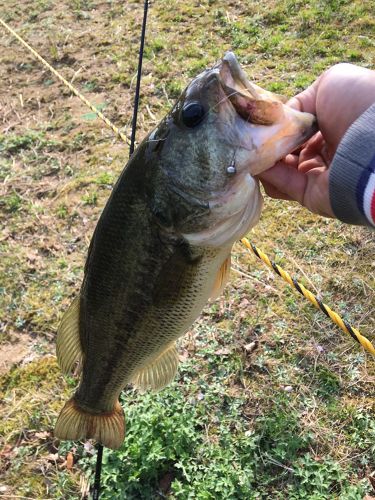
(306, 100)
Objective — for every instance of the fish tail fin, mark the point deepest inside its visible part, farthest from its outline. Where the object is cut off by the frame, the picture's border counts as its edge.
(75, 423)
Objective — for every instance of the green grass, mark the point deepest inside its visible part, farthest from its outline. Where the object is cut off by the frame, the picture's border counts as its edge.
(190, 438)
(295, 418)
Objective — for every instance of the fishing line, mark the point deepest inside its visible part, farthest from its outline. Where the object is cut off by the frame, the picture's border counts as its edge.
(66, 83)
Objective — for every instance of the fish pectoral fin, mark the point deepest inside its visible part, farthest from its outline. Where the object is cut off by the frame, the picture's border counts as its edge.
(159, 373)
(75, 423)
(68, 344)
(179, 268)
(221, 278)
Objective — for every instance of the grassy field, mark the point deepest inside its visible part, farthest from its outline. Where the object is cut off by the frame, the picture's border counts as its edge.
(271, 401)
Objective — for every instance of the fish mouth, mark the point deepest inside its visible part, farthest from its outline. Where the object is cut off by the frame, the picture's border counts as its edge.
(266, 127)
(234, 79)
(247, 99)
(251, 102)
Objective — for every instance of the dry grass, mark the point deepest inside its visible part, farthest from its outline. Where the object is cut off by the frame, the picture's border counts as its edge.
(58, 166)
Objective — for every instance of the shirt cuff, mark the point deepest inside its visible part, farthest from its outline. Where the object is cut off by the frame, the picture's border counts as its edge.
(352, 173)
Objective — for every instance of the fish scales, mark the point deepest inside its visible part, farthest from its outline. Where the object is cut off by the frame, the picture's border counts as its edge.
(162, 245)
(127, 300)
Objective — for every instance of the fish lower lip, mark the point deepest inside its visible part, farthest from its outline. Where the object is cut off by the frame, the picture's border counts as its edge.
(306, 135)
(312, 130)
(315, 127)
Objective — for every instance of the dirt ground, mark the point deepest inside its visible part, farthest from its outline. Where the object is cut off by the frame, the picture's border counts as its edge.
(58, 165)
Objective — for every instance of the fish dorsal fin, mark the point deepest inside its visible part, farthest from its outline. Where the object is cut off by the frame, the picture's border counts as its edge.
(221, 278)
(159, 373)
(68, 345)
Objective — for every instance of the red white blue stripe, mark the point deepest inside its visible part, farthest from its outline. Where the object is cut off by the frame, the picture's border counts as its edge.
(369, 199)
(366, 192)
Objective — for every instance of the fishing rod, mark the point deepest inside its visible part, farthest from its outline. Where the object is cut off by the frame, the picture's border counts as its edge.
(99, 456)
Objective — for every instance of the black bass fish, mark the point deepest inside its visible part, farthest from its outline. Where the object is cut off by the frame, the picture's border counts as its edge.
(162, 245)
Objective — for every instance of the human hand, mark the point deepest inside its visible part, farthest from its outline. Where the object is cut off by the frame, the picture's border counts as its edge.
(338, 97)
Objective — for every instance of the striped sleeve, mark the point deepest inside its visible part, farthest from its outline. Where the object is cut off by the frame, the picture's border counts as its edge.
(366, 193)
(352, 173)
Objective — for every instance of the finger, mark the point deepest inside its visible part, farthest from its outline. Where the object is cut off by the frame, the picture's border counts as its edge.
(312, 148)
(316, 146)
(273, 192)
(291, 160)
(312, 163)
(285, 180)
(315, 143)
(310, 190)
(327, 153)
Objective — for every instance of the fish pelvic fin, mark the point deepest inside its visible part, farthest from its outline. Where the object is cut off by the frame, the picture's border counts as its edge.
(68, 344)
(159, 373)
(221, 278)
(75, 423)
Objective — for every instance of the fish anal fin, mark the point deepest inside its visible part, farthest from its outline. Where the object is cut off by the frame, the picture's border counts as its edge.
(75, 423)
(221, 278)
(68, 344)
(159, 373)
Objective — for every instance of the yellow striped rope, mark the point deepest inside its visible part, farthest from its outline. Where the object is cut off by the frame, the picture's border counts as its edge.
(336, 318)
(344, 325)
(67, 84)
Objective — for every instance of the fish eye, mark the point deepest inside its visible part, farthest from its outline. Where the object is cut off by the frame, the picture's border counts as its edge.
(192, 114)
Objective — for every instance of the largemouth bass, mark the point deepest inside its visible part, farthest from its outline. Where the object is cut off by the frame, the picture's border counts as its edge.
(162, 245)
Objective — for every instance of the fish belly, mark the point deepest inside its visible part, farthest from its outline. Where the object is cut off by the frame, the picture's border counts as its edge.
(179, 297)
